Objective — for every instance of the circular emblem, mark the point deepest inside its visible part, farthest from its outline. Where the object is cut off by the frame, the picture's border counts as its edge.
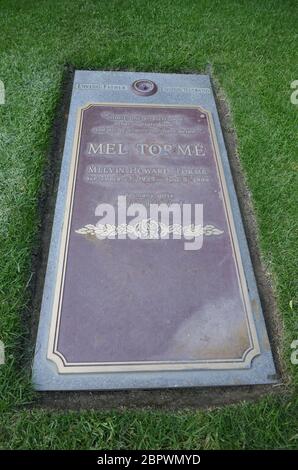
(144, 87)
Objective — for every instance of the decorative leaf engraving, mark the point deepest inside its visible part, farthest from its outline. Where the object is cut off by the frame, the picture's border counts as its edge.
(148, 229)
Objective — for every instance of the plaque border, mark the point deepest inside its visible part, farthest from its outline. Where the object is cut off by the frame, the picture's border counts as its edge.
(57, 357)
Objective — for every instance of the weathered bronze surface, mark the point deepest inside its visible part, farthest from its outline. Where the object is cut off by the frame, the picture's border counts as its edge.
(149, 304)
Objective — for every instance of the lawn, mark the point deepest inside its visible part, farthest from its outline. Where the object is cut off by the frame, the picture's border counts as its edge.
(251, 49)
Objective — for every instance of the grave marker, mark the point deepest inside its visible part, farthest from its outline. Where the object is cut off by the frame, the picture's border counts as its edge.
(149, 281)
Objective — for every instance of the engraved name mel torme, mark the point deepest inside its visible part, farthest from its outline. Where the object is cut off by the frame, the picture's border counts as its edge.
(186, 150)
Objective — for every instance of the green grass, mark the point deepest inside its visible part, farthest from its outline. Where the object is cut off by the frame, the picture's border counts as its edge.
(252, 50)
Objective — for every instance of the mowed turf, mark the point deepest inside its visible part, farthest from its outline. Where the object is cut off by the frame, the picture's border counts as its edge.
(251, 49)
